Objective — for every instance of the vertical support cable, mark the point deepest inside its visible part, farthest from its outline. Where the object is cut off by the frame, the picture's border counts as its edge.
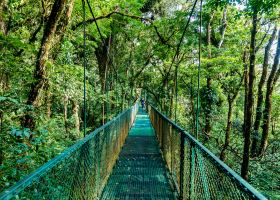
(84, 54)
(198, 69)
(176, 91)
(98, 29)
(83, 194)
(176, 56)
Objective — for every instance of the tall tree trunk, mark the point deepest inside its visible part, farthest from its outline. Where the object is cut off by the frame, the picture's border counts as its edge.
(273, 77)
(209, 81)
(42, 57)
(223, 27)
(105, 83)
(228, 128)
(65, 114)
(62, 26)
(4, 79)
(231, 100)
(75, 111)
(3, 8)
(102, 56)
(2, 139)
(250, 99)
(260, 94)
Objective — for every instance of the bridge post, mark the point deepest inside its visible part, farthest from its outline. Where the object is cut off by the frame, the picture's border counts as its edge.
(192, 171)
(182, 161)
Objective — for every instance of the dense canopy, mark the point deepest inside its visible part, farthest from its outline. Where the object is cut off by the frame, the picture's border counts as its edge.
(153, 48)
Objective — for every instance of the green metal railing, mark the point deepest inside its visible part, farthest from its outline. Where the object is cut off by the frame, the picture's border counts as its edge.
(196, 172)
(81, 171)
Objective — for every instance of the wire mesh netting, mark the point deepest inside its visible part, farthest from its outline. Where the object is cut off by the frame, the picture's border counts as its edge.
(197, 173)
(82, 170)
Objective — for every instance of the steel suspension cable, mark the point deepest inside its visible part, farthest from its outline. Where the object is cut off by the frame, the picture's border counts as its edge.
(176, 56)
(93, 16)
(102, 39)
(182, 37)
(84, 55)
(198, 69)
(108, 57)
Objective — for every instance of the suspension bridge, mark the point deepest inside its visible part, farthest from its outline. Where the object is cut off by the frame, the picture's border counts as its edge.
(140, 154)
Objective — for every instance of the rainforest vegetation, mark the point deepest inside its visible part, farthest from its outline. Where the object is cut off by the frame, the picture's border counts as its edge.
(134, 45)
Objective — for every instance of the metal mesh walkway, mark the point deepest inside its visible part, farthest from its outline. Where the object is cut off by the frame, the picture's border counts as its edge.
(140, 172)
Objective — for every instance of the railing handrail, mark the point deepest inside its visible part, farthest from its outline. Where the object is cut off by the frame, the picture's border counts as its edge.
(27, 180)
(244, 185)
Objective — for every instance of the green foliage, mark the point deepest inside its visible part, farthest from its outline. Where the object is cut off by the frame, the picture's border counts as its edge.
(137, 55)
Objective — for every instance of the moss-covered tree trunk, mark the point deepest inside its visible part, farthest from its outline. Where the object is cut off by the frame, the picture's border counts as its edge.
(2, 139)
(101, 53)
(75, 111)
(65, 114)
(249, 99)
(231, 101)
(223, 27)
(42, 57)
(62, 27)
(3, 26)
(228, 129)
(49, 104)
(4, 76)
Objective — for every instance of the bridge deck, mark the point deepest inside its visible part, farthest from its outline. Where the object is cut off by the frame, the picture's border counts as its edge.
(140, 172)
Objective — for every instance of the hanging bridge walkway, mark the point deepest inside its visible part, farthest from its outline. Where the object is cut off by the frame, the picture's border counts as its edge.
(140, 172)
(137, 155)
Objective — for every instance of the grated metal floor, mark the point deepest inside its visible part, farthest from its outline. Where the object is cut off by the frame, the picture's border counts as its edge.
(140, 172)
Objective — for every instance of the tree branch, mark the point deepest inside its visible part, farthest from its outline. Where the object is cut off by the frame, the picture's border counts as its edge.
(161, 39)
(89, 21)
(142, 69)
(265, 35)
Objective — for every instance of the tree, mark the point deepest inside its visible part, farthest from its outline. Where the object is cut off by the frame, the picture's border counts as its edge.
(42, 57)
(272, 80)
(256, 8)
(231, 86)
(260, 93)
